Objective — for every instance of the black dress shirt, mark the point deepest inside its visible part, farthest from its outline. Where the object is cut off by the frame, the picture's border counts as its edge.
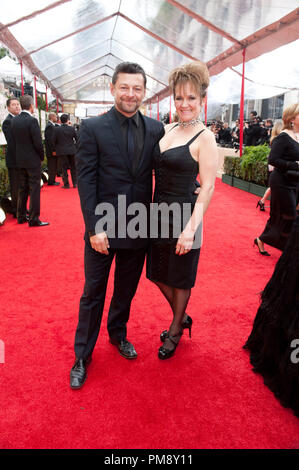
(138, 131)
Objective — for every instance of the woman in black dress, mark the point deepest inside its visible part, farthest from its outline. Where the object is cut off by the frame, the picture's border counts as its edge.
(284, 156)
(186, 150)
(277, 128)
(274, 340)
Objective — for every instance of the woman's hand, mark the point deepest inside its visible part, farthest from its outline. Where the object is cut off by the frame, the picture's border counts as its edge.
(185, 242)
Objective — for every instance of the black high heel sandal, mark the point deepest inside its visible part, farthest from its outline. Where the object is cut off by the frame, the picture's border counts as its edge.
(261, 205)
(265, 253)
(165, 353)
(186, 325)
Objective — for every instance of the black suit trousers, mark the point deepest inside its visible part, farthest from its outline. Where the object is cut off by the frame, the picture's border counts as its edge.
(128, 269)
(29, 183)
(13, 175)
(68, 162)
(52, 168)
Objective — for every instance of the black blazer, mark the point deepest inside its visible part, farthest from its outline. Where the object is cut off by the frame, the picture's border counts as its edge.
(105, 171)
(65, 138)
(49, 139)
(10, 155)
(27, 141)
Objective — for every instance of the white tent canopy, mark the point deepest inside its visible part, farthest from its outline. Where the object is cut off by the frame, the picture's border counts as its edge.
(72, 44)
(11, 68)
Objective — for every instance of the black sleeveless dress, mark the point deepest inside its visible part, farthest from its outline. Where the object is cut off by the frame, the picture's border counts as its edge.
(283, 156)
(175, 182)
(274, 340)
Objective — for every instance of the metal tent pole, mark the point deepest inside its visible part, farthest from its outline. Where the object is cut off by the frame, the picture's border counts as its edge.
(242, 104)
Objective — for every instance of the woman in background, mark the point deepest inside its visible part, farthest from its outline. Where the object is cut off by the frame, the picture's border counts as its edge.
(274, 340)
(277, 128)
(284, 156)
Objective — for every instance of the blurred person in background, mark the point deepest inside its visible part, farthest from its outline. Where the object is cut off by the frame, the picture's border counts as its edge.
(284, 180)
(276, 129)
(14, 108)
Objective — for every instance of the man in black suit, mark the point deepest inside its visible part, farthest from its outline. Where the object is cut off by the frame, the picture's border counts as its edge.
(65, 139)
(14, 108)
(27, 143)
(114, 158)
(50, 149)
(252, 131)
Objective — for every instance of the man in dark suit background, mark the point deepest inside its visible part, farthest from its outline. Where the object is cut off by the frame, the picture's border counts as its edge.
(14, 108)
(50, 149)
(114, 158)
(252, 131)
(27, 143)
(65, 139)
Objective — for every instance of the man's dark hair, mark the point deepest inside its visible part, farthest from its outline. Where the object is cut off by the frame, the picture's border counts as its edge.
(254, 113)
(128, 67)
(64, 118)
(12, 98)
(26, 101)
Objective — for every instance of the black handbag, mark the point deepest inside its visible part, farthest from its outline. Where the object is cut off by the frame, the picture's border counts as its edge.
(292, 175)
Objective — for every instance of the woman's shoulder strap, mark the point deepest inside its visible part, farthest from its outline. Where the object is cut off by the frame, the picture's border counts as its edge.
(194, 137)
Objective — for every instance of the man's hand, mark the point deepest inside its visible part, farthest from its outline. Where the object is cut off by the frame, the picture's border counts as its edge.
(100, 243)
(197, 190)
(54, 154)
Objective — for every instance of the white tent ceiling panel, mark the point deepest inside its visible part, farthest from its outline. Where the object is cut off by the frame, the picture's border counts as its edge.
(241, 18)
(72, 43)
(82, 58)
(20, 9)
(175, 27)
(70, 46)
(143, 44)
(61, 21)
(225, 88)
(88, 77)
(70, 78)
(278, 68)
(121, 51)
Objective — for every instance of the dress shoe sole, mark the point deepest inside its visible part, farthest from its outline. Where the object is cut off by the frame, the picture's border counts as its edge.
(127, 357)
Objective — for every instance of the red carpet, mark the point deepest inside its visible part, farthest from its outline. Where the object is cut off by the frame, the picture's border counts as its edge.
(206, 396)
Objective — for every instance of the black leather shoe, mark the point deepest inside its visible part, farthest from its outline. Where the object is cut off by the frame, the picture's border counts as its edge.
(23, 220)
(125, 348)
(74, 185)
(78, 373)
(66, 186)
(54, 184)
(37, 223)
